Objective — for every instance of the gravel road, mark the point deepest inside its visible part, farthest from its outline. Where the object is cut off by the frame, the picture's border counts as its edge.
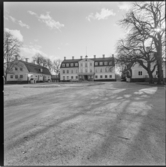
(102, 123)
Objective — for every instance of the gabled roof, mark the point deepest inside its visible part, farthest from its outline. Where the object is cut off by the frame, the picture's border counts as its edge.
(35, 68)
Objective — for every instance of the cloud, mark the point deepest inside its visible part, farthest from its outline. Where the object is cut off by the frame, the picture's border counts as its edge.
(125, 6)
(16, 33)
(48, 20)
(32, 13)
(104, 14)
(28, 51)
(12, 18)
(17, 21)
(23, 24)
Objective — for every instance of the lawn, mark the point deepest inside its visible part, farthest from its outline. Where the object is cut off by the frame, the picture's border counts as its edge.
(101, 123)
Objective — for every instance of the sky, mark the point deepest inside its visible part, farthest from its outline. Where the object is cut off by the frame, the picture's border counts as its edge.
(65, 29)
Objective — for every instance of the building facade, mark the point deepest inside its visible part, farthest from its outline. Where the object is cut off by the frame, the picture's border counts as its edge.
(140, 74)
(90, 69)
(25, 72)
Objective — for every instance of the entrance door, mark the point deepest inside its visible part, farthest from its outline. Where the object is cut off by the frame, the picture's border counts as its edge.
(86, 77)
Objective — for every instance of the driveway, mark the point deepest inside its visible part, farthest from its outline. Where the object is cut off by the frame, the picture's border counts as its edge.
(100, 123)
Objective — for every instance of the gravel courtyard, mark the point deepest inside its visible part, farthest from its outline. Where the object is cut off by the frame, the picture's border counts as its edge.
(100, 123)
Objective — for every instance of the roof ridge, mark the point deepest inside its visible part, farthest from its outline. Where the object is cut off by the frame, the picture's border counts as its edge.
(33, 64)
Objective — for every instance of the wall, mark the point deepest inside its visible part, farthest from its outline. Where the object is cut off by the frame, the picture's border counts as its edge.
(73, 72)
(105, 71)
(18, 72)
(138, 68)
(86, 69)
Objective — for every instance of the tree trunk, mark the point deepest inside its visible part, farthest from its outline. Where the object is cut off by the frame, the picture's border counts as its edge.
(151, 80)
(159, 64)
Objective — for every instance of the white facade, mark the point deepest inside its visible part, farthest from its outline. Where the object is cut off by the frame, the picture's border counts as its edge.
(139, 72)
(87, 69)
(19, 72)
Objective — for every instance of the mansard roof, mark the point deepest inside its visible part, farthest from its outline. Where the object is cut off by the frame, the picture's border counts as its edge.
(35, 68)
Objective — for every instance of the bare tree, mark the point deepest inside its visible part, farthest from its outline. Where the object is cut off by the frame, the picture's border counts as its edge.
(11, 50)
(132, 51)
(43, 61)
(49, 64)
(147, 19)
(56, 66)
(38, 58)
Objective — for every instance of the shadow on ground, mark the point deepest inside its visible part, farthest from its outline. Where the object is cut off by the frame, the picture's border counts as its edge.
(130, 121)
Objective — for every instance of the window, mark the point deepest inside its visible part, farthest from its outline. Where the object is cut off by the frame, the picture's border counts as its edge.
(71, 71)
(105, 63)
(71, 64)
(110, 76)
(101, 70)
(76, 64)
(63, 71)
(139, 72)
(100, 76)
(96, 76)
(16, 76)
(90, 70)
(67, 71)
(105, 69)
(67, 77)
(67, 64)
(105, 76)
(90, 64)
(63, 77)
(86, 70)
(11, 76)
(63, 64)
(71, 77)
(110, 63)
(85, 64)
(21, 76)
(16, 68)
(101, 63)
(20, 69)
(96, 63)
(76, 77)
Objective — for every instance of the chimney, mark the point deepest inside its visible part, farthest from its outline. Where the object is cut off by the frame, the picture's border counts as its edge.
(64, 58)
(80, 57)
(94, 56)
(26, 59)
(103, 55)
(86, 56)
(73, 57)
(16, 57)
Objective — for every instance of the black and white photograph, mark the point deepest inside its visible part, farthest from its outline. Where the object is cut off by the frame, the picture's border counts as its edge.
(84, 83)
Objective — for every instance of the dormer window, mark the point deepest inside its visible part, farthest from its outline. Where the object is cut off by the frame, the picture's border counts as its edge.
(41, 70)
